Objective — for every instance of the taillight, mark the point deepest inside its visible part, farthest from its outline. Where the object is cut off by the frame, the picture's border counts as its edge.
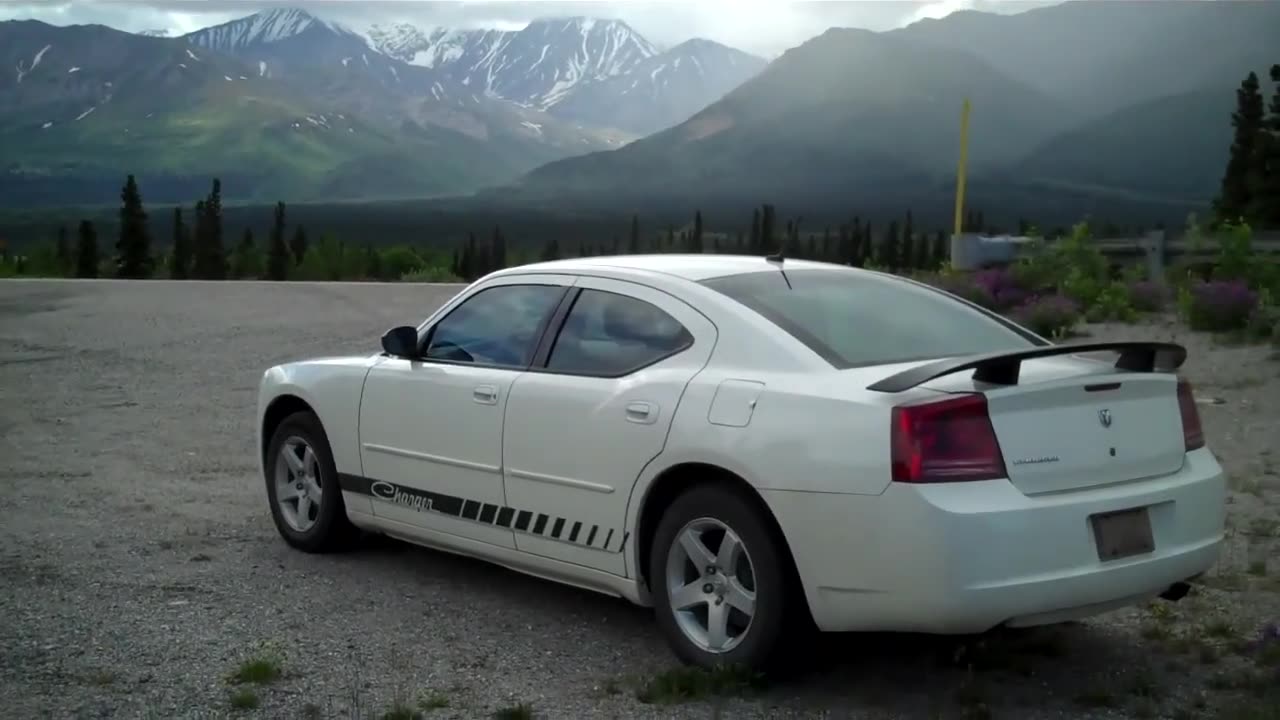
(1192, 432)
(948, 440)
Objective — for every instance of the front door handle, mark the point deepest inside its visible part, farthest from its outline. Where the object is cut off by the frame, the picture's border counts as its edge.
(642, 412)
(485, 394)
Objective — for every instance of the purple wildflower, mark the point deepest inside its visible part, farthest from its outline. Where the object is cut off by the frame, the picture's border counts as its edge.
(1221, 305)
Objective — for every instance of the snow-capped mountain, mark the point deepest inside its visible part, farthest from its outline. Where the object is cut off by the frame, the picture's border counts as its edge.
(161, 32)
(539, 65)
(264, 28)
(663, 90)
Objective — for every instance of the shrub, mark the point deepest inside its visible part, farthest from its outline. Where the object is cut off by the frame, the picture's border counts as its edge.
(1148, 295)
(1219, 306)
(965, 287)
(1003, 286)
(1049, 315)
(1112, 303)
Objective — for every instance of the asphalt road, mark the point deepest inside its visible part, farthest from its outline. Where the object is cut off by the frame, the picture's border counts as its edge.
(139, 565)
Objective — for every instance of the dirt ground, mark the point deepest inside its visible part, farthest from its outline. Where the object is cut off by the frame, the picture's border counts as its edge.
(139, 568)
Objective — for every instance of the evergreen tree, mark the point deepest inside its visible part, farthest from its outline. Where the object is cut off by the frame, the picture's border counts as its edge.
(62, 253)
(1266, 195)
(467, 263)
(907, 255)
(941, 250)
(767, 242)
(633, 242)
(695, 240)
(210, 256)
(1234, 197)
(889, 252)
(133, 246)
(828, 247)
(244, 259)
(372, 263)
(755, 246)
(87, 251)
(180, 249)
(499, 258)
(279, 256)
(671, 238)
(298, 245)
(551, 251)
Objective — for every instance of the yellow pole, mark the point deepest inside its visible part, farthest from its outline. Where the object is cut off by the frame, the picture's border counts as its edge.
(964, 160)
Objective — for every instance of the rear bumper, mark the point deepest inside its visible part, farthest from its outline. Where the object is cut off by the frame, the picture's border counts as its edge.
(966, 557)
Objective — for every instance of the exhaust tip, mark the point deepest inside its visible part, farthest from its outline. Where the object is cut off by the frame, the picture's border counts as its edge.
(1176, 591)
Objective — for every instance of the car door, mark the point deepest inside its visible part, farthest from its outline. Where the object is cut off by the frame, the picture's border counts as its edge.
(431, 428)
(587, 418)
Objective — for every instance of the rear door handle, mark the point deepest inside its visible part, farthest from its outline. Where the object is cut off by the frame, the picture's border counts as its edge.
(642, 412)
(485, 394)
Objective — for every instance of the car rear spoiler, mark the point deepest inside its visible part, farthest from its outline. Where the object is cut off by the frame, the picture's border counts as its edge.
(1002, 368)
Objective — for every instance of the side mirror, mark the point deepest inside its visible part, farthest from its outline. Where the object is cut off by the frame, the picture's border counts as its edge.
(401, 342)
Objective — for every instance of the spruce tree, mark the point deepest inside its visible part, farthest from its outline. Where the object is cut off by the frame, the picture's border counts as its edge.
(499, 258)
(695, 240)
(180, 252)
(244, 259)
(754, 246)
(278, 255)
(941, 250)
(62, 253)
(372, 263)
(133, 246)
(551, 251)
(889, 252)
(87, 251)
(211, 254)
(767, 242)
(298, 244)
(1234, 197)
(633, 243)
(1266, 196)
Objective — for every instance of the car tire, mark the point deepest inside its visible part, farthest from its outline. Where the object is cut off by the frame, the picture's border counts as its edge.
(325, 527)
(709, 511)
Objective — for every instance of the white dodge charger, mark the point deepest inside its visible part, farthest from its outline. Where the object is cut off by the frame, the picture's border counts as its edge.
(752, 446)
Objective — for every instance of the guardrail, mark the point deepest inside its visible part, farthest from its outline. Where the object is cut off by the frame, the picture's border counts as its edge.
(971, 251)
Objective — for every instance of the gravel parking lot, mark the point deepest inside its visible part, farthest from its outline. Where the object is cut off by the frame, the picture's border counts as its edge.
(139, 568)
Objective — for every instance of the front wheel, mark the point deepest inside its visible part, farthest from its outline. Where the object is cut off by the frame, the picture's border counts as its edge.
(302, 487)
(720, 581)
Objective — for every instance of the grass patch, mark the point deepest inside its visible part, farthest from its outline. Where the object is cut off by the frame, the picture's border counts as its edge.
(523, 711)
(102, 678)
(683, 684)
(244, 699)
(1220, 628)
(433, 701)
(1264, 527)
(1097, 698)
(257, 671)
(401, 711)
(1143, 685)
(1258, 568)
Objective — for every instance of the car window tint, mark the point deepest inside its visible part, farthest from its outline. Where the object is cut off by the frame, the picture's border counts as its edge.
(609, 334)
(852, 318)
(496, 326)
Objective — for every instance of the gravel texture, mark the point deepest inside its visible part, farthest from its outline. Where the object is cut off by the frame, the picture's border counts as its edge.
(139, 566)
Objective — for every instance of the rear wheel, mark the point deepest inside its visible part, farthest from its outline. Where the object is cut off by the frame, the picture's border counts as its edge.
(302, 487)
(720, 580)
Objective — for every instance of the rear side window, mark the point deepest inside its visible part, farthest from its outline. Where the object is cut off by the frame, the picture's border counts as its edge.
(853, 319)
(610, 335)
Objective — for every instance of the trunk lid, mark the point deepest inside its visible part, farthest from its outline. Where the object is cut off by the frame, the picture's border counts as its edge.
(1071, 424)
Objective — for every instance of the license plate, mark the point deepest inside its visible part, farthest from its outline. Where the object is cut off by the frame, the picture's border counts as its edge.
(1122, 533)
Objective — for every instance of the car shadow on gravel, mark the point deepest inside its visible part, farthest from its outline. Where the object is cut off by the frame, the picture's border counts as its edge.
(1073, 666)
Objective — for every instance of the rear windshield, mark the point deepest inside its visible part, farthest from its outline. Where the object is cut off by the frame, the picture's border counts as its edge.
(855, 319)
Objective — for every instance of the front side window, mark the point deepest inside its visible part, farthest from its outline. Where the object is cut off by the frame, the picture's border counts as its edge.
(609, 335)
(496, 326)
(853, 319)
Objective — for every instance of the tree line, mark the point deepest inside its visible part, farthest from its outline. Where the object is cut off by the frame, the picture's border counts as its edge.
(1250, 189)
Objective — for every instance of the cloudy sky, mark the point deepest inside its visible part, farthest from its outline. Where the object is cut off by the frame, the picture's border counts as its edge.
(762, 26)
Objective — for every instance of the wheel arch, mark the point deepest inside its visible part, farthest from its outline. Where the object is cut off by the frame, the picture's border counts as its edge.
(670, 483)
(280, 407)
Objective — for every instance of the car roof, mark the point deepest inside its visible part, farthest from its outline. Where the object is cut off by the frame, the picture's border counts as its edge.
(694, 267)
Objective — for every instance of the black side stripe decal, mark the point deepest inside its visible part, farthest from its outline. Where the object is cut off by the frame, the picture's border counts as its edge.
(523, 521)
